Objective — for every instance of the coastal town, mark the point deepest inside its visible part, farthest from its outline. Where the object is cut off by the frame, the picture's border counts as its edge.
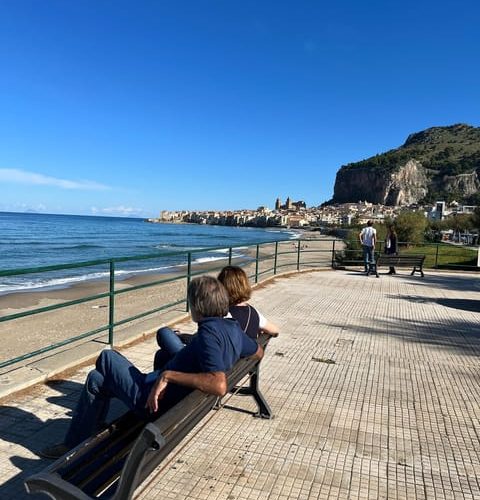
(295, 214)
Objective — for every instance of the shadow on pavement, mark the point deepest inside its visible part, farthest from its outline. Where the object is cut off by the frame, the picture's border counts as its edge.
(24, 428)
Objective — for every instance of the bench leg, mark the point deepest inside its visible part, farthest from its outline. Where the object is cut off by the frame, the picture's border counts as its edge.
(264, 410)
(253, 390)
(150, 440)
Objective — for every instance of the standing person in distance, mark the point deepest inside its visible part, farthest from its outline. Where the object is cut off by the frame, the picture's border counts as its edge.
(391, 245)
(368, 239)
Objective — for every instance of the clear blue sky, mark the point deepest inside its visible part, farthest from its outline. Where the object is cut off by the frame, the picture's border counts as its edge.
(128, 108)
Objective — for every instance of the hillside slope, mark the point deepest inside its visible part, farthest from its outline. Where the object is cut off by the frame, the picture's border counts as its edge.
(437, 163)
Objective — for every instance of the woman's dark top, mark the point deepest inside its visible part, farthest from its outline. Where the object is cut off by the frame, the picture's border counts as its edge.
(248, 318)
(392, 248)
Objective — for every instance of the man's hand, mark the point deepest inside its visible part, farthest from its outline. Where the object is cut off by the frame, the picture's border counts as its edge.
(157, 392)
(258, 354)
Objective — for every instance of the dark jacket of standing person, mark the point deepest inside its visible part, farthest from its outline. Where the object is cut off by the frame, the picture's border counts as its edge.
(391, 245)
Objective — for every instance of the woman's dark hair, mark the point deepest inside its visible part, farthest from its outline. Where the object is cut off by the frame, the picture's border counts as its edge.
(235, 280)
(208, 297)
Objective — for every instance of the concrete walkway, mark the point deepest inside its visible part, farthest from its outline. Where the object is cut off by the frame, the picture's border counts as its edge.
(375, 386)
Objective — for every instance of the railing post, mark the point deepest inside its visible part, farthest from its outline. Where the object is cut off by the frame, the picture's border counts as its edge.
(298, 256)
(111, 304)
(333, 254)
(230, 256)
(189, 277)
(436, 258)
(275, 259)
(256, 263)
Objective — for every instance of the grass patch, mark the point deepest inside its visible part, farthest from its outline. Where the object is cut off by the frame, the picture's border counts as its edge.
(448, 255)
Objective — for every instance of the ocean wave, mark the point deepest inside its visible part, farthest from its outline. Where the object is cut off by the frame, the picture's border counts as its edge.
(51, 245)
(203, 260)
(22, 284)
(80, 246)
(32, 285)
(28, 285)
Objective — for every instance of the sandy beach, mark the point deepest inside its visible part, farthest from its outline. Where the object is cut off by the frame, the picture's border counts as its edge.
(28, 334)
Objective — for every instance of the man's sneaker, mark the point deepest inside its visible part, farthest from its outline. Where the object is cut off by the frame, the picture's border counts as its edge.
(55, 451)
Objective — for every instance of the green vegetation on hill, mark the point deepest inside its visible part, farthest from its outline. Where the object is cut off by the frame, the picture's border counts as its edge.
(442, 151)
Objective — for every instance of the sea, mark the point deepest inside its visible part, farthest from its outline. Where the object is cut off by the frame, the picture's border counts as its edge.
(30, 240)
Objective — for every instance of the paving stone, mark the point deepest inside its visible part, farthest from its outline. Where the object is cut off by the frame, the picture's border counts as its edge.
(396, 416)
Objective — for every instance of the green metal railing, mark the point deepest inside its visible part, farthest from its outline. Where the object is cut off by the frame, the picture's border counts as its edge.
(261, 261)
(269, 258)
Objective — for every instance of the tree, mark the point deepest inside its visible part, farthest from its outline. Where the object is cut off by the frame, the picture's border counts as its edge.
(411, 227)
(475, 218)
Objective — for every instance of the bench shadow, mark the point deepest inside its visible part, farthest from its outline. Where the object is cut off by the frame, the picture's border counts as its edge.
(26, 429)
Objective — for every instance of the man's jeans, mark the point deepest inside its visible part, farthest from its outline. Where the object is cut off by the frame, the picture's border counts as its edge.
(170, 343)
(114, 376)
(368, 257)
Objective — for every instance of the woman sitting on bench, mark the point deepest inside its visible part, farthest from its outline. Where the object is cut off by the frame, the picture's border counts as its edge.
(251, 321)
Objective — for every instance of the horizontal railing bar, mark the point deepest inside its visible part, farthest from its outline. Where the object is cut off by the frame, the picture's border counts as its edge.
(75, 265)
(148, 313)
(54, 346)
(149, 284)
(52, 307)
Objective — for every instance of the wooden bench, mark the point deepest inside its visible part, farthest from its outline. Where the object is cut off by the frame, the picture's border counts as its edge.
(410, 260)
(114, 462)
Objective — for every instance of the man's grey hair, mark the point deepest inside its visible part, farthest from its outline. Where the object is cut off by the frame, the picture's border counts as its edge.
(208, 297)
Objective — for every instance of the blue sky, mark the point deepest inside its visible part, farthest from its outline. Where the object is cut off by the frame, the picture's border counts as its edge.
(129, 108)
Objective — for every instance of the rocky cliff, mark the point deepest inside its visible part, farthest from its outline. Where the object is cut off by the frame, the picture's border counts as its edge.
(437, 163)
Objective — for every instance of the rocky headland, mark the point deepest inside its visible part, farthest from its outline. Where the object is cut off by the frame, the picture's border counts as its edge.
(437, 163)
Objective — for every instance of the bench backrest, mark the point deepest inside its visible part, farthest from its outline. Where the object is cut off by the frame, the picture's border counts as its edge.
(406, 260)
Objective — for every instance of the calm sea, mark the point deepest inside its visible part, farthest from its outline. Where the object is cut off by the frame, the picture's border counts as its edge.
(32, 240)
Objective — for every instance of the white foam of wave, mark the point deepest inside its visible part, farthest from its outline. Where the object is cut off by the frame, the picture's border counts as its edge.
(72, 280)
(203, 260)
(51, 283)
(293, 235)
(65, 282)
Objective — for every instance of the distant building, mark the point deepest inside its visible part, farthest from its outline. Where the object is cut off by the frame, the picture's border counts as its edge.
(439, 211)
(289, 204)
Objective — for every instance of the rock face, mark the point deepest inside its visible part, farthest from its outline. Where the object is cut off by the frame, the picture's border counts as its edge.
(405, 186)
(437, 163)
(467, 184)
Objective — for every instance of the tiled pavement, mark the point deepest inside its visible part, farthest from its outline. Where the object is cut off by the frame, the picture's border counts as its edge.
(396, 414)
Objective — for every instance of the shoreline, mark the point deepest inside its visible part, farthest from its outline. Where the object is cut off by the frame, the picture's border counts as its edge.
(30, 298)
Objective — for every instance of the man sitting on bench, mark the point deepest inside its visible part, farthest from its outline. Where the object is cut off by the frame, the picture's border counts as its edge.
(202, 365)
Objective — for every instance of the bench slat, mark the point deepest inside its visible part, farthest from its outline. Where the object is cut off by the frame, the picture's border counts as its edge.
(410, 260)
